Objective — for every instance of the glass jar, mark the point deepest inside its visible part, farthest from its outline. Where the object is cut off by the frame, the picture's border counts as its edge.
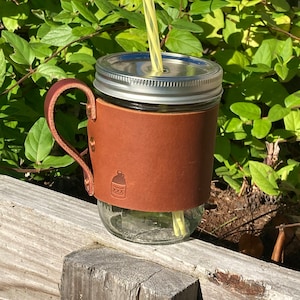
(188, 85)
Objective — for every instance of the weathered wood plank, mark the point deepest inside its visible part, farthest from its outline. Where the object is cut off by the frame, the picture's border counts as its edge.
(105, 273)
(39, 227)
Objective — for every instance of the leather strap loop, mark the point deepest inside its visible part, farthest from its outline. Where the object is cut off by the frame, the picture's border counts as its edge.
(54, 92)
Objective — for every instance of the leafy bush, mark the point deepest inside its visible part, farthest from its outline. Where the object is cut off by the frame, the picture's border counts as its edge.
(256, 42)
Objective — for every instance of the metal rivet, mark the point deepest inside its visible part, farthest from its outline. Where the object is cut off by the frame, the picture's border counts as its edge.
(88, 111)
(92, 144)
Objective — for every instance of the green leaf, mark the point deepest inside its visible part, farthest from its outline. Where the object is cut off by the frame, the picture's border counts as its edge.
(178, 4)
(186, 25)
(56, 162)
(222, 148)
(264, 177)
(282, 70)
(284, 171)
(81, 58)
(233, 183)
(80, 31)
(131, 4)
(2, 67)
(49, 72)
(246, 110)
(59, 36)
(232, 35)
(39, 141)
(232, 60)
(110, 19)
(163, 19)
(273, 92)
(277, 112)
(251, 3)
(132, 40)
(23, 53)
(85, 60)
(259, 68)
(206, 6)
(183, 42)
(263, 55)
(173, 13)
(41, 50)
(286, 52)
(17, 108)
(292, 122)
(67, 5)
(293, 100)
(84, 11)
(106, 6)
(10, 157)
(235, 126)
(280, 5)
(225, 171)
(10, 24)
(212, 25)
(281, 134)
(64, 17)
(240, 154)
(82, 124)
(135, 19)
(13, 15)
(261, 128)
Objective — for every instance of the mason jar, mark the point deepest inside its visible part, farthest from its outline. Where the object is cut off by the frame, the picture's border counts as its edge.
(155, 152)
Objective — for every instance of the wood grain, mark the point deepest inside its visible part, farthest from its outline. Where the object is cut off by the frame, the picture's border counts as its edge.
(106, 273)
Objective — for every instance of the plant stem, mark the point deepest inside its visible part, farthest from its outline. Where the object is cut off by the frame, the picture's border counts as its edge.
(288, 225)
(278, 250)
(224, 224)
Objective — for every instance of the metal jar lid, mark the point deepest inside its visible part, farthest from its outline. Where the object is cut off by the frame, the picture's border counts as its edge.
(185, 80)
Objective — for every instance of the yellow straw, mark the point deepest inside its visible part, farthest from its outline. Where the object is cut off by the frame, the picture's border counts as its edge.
(153, 37)
(157, 68)
(178, 223)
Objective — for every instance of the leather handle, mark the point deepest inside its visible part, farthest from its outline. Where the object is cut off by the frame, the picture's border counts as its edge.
(54, 92)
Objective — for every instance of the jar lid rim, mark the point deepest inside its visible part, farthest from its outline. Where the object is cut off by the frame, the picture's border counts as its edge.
(129, 76)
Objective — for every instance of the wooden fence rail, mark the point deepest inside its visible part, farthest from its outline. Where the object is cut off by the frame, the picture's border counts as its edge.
(39, 228)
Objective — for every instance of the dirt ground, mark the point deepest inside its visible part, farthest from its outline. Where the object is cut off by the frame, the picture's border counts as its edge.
(244, 223)
(248, 224)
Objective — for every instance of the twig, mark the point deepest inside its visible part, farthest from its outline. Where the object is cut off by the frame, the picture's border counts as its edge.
(282, 239)
(243, 187)
(278, 29)
(224, 224)
(230, 232)
(285, 32)
(207, 232)
(27, 170)
(287, 225)
(278, 251)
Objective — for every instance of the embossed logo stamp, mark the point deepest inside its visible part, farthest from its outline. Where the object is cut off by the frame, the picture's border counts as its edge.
(118, 186)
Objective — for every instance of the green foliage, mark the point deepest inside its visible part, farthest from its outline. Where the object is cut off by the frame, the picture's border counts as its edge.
(256, 42)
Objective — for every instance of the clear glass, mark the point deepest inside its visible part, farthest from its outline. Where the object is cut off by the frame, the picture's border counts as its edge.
(150, 227)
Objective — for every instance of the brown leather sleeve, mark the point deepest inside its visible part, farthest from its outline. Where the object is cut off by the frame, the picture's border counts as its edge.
(152, 161)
